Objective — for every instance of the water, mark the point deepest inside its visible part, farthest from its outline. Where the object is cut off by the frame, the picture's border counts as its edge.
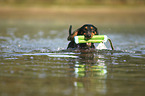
(34, 61)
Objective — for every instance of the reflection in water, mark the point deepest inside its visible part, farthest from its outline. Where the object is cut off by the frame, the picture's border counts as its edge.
(90, 66)
(96, 65)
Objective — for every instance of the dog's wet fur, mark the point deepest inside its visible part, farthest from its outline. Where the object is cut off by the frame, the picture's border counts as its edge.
(88, 30)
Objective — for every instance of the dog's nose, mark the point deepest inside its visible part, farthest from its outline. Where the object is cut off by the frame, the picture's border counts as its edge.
(88, 35)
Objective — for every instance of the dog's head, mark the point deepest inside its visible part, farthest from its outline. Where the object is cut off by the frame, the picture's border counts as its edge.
(88, 30)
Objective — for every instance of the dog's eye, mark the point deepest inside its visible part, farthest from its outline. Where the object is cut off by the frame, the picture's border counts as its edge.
(86, 27)
(91, 27)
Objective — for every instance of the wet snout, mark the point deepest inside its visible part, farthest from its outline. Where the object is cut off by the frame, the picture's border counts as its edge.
(88, 35)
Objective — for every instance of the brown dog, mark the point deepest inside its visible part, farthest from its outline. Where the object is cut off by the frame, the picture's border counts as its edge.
(88, 30)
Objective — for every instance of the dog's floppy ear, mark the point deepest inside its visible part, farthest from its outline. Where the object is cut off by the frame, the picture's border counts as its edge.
(96, 31)
(81, 30)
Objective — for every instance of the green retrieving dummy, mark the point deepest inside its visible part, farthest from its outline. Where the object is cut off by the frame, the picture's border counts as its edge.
(94, 39)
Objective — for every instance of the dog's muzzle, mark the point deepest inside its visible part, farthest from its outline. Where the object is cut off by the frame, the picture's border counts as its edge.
(88, 36)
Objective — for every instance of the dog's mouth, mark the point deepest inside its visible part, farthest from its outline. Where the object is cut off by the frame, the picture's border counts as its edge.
(87, 38)
(88, 44)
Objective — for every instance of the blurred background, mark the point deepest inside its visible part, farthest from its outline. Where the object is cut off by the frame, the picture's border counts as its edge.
(62, 13)
(70, 2)
(35, 19)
